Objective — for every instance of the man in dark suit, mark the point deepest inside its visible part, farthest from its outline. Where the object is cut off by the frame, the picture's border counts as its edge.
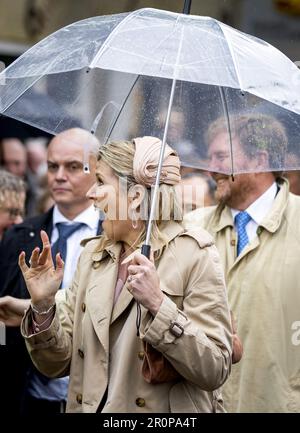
(73, 212)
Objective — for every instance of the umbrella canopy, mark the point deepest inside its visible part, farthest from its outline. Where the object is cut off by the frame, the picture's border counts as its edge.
(113, 75)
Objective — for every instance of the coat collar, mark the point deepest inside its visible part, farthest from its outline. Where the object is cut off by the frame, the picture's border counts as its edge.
(101, 304)
(273, 220)
(223, 218)
(170, 230)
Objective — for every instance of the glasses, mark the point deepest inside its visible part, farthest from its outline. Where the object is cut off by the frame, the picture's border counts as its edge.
(13, 212)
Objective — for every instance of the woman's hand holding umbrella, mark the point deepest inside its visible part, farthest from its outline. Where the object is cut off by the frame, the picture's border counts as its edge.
(143, 283)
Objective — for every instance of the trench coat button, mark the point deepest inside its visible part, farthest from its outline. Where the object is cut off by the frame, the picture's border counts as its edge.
(141, 355)
(259, 230)
(31, 234)
(80, 353)
(140, 402)
(79, 398)
(83, 307)
(232, 242)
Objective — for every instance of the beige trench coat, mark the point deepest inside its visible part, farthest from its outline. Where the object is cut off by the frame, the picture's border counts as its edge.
(96, 343)
(264, 293)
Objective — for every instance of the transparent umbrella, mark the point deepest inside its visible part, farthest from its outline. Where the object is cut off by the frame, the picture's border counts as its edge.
(158, 73)
(120, 75)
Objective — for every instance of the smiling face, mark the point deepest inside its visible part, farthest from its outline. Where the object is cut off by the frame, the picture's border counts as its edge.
(228, 191)
(67, 182)
(110, 196)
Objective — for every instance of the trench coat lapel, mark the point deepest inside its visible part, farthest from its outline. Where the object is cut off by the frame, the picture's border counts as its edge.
(100, 292)
(124, 299)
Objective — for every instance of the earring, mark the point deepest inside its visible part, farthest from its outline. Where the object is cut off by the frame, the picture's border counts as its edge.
(133, 219)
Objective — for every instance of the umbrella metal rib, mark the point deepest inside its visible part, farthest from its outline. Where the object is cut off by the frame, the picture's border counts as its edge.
(146, 247)
(225, 107)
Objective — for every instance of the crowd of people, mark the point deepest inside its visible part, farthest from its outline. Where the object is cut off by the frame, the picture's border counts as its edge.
(218, 295)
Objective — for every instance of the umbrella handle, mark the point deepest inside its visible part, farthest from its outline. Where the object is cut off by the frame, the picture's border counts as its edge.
(146, 252)
(146, 249)
(187, 7)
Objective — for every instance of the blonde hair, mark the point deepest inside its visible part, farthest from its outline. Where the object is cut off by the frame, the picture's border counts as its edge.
(119, 156)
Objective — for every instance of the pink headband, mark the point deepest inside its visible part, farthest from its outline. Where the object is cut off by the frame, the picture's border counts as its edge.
(146, 158)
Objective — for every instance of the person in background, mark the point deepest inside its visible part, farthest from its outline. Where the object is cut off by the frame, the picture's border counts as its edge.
(256, 230)
(12, 200)
(178, 134)
(13, 157)
(70, 220)
(293, 176)
(198, 189)
(45, 200)
(37, 156)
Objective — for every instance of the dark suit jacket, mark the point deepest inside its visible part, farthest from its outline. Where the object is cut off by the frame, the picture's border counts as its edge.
(14, 359)
(21, 237)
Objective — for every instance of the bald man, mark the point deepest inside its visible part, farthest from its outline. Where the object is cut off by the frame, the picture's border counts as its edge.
(68, 185)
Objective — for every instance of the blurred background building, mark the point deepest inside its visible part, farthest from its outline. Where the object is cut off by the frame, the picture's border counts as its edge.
(25, 22)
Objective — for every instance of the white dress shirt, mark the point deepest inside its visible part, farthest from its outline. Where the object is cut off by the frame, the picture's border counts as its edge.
(258, 210)
(91, 218)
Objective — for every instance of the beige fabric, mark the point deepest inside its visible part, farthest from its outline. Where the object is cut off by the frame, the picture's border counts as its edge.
(86, 320)
(264, 294)
(145, 162)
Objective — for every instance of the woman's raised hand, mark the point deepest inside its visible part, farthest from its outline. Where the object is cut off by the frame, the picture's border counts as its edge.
(41, 277)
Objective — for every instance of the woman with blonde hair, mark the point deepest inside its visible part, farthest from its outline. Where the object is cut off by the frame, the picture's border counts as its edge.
(183, 352)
